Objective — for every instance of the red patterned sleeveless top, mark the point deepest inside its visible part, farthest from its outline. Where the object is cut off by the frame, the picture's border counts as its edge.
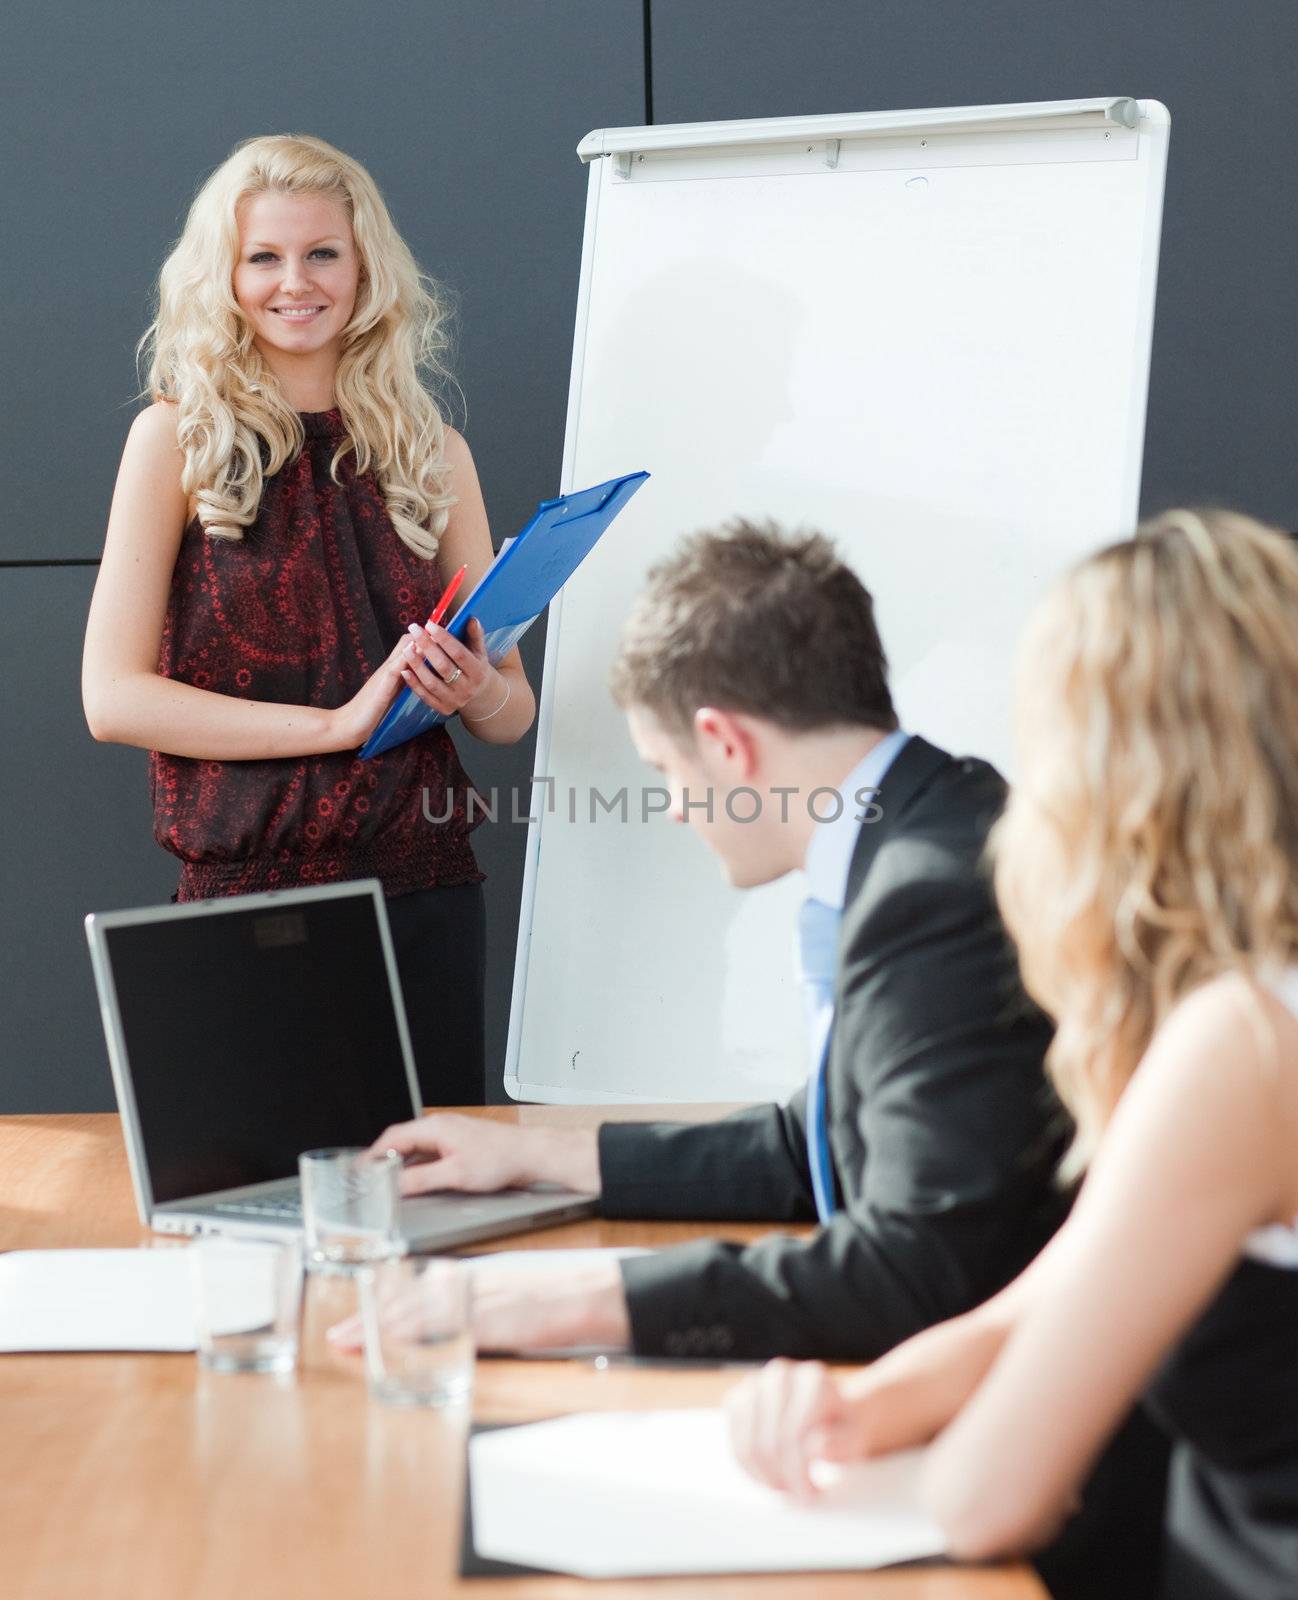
(301, 611)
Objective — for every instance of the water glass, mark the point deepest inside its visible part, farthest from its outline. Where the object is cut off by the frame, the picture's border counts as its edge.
(415, 1312)
(247, 1298)
(351, 1200)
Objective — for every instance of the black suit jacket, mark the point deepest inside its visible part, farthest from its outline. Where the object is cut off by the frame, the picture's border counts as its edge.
(943, 1132)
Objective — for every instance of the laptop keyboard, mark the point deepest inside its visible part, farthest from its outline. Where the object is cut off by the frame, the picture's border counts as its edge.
(280, 1208)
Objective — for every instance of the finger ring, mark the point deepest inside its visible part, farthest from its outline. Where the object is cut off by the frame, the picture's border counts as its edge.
(455, 676)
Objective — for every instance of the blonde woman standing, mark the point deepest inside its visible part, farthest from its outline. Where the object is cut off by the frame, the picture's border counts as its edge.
(1147, 866)
(287, 511)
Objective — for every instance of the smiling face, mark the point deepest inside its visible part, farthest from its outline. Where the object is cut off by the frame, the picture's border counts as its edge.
(297, 272)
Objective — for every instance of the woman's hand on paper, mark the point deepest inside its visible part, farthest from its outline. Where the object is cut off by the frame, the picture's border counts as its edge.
(795, 1412)
(789, 1415)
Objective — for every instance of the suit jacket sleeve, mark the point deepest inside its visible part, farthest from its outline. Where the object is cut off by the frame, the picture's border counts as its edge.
(948, 1194)
(749, 1166)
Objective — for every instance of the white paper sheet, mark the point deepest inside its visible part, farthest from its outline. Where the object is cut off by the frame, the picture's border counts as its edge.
(95, 1300)
(638, 1494)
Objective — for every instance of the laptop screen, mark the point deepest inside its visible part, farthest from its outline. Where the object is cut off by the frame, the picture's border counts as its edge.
(253, 1033)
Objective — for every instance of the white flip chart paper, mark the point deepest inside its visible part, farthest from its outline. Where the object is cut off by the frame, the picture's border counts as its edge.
(925, 333)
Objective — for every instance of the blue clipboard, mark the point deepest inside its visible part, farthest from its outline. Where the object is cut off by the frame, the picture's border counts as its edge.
(526, 575)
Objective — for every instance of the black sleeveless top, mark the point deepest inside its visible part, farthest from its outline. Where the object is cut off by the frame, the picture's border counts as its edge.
(1229, 1396)
(301, 611)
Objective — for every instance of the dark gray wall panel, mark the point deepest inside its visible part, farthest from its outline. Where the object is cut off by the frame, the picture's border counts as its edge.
(468, 115)
(79, 839)
(1221, 410)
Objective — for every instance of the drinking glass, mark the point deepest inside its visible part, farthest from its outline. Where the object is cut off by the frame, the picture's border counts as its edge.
(415, 1312)
(247, 1297)
(351, 1198)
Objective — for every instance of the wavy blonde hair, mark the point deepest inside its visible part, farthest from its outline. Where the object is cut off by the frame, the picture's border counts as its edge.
(1151, 842)
(202, 356)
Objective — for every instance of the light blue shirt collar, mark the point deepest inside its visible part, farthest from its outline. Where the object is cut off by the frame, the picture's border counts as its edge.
(829, 855)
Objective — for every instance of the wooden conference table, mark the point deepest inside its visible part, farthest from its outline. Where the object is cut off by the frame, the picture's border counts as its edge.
(139, 1477)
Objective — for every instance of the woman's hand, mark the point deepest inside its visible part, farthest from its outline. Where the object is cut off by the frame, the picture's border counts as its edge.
(788, 1415)
(795, 1412)
(354, 722)
(448, 675)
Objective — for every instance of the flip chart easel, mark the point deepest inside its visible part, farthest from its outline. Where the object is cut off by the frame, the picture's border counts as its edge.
(925, 333)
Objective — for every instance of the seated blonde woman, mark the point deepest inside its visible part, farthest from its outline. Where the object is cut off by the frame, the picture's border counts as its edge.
(1147, 866)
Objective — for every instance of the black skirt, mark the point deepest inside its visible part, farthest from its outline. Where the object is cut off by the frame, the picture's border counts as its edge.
(439, 937)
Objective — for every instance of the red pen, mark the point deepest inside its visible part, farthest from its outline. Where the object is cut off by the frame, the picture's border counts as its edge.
(448, 594)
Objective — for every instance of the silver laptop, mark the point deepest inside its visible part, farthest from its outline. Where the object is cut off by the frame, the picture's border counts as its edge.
(244, 1030)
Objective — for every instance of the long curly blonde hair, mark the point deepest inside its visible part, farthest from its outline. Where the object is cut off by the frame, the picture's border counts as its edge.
(202, 356)
(1151, 841)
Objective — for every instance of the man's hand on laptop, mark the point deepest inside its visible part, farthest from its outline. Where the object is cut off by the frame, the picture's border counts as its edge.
(445, 1151)
(534, 1308)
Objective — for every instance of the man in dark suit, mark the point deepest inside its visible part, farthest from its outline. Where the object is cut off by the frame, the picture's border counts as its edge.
(942, 1136)
(926, 1140)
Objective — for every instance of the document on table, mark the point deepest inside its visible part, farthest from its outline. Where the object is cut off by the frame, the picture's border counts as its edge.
(95, 1300)
(643, 1494)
